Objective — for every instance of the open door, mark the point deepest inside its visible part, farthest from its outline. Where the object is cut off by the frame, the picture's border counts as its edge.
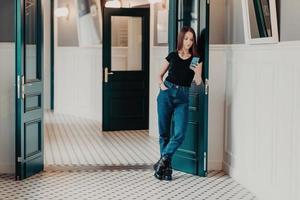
(29, 90)
(191, 156)
(125, 69)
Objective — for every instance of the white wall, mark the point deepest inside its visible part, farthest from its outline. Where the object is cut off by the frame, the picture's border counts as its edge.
(217, 22)
(7, 21)
(67, 34)
(78, 82)
(289, 13)
(262, 149)
(216, 106)
(234, 29)
(158, 55)
(7, 108)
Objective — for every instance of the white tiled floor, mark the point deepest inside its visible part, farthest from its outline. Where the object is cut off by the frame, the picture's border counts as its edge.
(85, 163)
(122, 185)
(77, 141)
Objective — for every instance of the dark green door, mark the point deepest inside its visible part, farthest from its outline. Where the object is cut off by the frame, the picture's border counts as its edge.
(29, 90)
(125, 69)
(191, 157)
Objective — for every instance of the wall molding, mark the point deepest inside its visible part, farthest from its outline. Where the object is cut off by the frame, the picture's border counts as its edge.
(286, 44)
(81, 97)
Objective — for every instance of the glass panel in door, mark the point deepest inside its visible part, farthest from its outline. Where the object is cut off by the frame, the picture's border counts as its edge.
(126, 41)
(31, 72)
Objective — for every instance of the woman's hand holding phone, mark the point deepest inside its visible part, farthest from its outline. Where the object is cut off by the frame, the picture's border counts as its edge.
(194, 62)
(197, 68)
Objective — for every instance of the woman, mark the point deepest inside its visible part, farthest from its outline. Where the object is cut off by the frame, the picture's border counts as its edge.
(173, 98)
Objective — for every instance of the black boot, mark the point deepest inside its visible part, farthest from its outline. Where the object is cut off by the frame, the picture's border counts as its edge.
(156, 164)
(167, 175)
(160, 169)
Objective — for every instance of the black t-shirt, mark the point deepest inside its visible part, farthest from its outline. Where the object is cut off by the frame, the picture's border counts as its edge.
(179, 70)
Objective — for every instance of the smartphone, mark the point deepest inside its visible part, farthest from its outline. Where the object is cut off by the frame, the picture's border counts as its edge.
(194, 62)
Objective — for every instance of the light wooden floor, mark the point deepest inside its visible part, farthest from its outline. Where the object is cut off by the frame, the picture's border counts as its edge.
(74, 141)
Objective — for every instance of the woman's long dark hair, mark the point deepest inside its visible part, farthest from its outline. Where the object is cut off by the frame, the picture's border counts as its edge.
(183, 31)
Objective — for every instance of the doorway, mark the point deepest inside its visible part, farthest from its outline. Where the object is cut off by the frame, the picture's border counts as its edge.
(121, 100)
(73, 134)
(126, 69)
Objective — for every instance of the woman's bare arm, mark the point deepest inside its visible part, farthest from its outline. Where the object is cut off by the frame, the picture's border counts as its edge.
(198, 74)
(162, 72)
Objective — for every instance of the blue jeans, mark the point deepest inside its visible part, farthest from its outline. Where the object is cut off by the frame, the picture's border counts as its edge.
(172, 103)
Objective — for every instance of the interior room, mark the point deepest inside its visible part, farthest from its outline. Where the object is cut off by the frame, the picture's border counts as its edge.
(74, 109)
(78, 99)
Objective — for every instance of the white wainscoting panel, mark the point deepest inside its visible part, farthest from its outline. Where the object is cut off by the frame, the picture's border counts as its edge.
(78, 82)
(7, 107)
(262, 119)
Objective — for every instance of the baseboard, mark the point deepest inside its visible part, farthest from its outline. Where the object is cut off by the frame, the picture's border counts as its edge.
(226, 167)
(212, 165)
(7, 169)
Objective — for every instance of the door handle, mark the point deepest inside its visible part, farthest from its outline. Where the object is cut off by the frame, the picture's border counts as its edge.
(206, 86)
(106, 73)
(21, 87)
